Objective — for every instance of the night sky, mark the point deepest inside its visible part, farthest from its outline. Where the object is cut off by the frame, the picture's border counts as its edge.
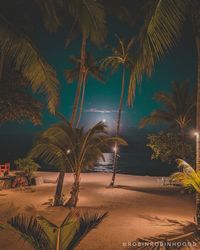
(101, 99)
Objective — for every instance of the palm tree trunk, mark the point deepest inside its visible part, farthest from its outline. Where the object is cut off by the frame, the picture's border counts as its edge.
(1, 65)
(73, 200)
(58, 194)
(183, 143)
(118, 125)
(81, 74)
(198, 129)
(82, 98)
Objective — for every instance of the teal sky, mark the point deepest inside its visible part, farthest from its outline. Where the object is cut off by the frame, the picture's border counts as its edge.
(101, 100)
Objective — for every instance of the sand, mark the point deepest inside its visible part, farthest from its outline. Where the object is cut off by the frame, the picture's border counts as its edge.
(133, 205)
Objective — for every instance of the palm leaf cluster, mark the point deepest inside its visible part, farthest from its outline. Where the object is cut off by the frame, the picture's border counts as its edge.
(91, 68)
(89, 16)
(16, 103)
(178, 109)
(86, 147)
(120, 55)
(43, 234)
(188, 177)
(29, 229)
(160, 30)
(20, 52)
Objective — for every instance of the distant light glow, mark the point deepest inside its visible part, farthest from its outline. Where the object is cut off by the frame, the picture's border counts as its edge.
(68, 151)
(104, 120)
(115, 149)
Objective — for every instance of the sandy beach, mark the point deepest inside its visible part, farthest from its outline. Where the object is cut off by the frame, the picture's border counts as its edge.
(138, 206)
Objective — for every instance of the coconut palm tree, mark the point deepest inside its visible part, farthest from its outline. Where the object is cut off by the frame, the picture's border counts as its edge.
(91, 69)
(53, 147)
(163, 21)
(178, 110)
(18, 51)
(119, 59)
(64, 146)
(42, 234)
(87, 18)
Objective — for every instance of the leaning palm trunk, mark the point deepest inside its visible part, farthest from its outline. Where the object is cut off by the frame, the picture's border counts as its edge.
(80, 82)
(198, 130)
(183, 143)
(82, 98)
(118, 126)
(1, 65)
(73, 200)
(58, 201)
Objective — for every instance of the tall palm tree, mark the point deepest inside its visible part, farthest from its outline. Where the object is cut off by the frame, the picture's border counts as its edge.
(178, 110)
(42, 234)
(88, 18)
(91, 69)
(17, 50)
(64, 146)
(119, 59)
(162, 27)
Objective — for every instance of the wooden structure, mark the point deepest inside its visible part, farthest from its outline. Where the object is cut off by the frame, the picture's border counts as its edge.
(4, 168)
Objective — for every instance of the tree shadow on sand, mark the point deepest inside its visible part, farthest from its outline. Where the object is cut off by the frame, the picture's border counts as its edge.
(184, 235)
(161, 190)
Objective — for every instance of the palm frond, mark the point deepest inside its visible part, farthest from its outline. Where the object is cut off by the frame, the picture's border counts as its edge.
(88, 221)
(29, 230)
(20, 50)
(161, 29)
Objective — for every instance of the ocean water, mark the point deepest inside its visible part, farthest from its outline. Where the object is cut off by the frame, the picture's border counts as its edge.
(135, 164)
(136, 159)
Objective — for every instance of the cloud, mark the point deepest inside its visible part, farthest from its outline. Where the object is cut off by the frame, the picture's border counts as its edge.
(102, 111)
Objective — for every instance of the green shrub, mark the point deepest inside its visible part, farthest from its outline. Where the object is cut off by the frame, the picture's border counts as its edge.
(27, 167)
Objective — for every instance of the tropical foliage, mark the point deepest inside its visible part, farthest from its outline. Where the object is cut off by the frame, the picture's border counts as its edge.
(152, 43)
(27, 167)
(42, 234)
(92, 69)
(188, 176)
(17, 49)
(88, 19)
(16, 102)
(169, 146)
(73, 148)
(178, 108)
(120, 57)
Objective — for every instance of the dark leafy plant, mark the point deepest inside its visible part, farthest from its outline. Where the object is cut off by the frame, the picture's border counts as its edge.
(27, 167)
(169, 146)
(44, 235)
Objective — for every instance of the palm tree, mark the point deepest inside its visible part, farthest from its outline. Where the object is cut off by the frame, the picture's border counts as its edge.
(17, 50)
(42, 234)
(120, 58)
(64, 146)
(162, 27)
(178, 110)
(91, 69)
(88, 18)
(53, 147)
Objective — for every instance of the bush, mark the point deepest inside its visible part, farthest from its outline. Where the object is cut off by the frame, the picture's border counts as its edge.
(27, 167)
